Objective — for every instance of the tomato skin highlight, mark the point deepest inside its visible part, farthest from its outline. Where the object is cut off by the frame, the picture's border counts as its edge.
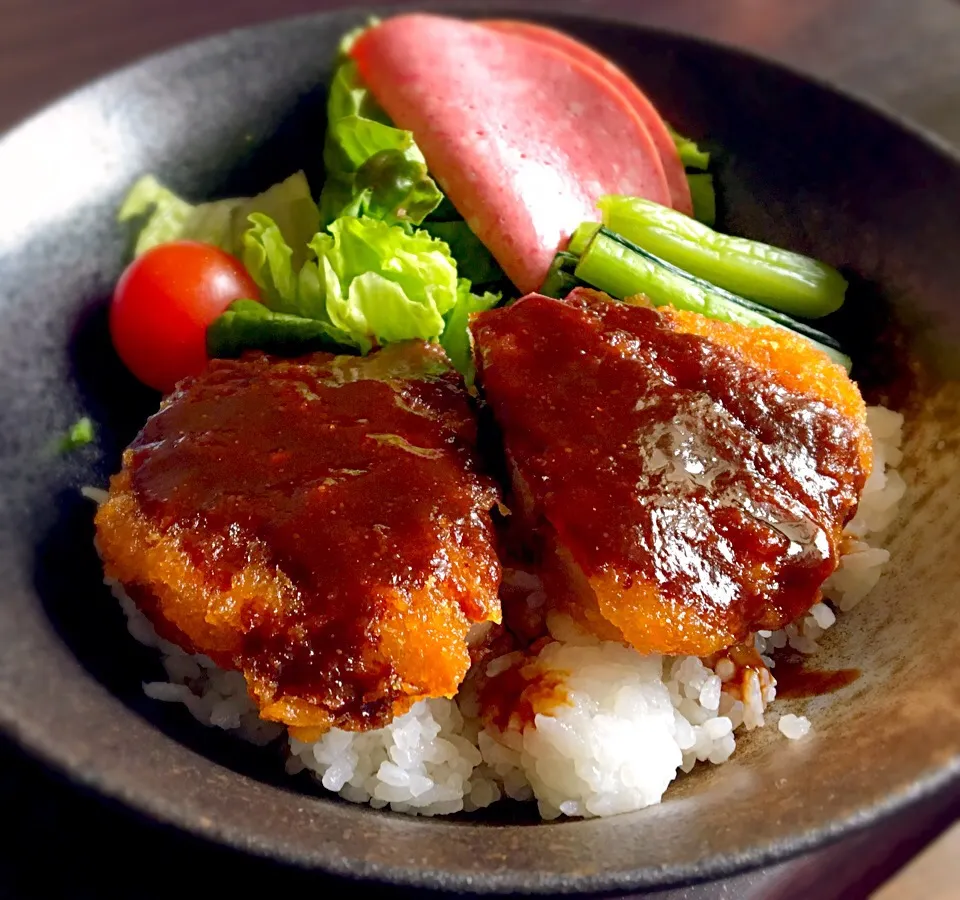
(164, 302)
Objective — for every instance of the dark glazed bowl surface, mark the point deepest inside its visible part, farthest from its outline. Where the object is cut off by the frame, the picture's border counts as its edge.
(801, 166)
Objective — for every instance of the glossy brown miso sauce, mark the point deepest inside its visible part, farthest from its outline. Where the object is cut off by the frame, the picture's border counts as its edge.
(738, 485)
(794, 674)
(304, 458)
(514, 697)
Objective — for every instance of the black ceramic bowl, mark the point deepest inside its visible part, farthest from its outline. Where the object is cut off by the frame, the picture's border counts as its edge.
(801, 166)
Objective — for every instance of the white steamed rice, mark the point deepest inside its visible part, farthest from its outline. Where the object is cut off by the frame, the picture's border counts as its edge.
(629, 725)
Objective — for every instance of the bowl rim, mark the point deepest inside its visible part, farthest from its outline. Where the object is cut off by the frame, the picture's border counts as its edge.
(113, 786)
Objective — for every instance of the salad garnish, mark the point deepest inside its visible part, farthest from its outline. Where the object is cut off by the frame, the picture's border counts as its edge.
(380, 252)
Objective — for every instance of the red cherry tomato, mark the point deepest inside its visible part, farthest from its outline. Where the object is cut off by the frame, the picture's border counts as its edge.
(164, 302)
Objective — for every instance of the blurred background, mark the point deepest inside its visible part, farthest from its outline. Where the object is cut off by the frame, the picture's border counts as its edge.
(902, 55)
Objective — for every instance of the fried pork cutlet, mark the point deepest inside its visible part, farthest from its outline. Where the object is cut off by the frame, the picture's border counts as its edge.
(688, 480)
(319, 524)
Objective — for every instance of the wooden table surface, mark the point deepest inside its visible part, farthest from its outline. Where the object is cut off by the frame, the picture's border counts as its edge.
(902, 54)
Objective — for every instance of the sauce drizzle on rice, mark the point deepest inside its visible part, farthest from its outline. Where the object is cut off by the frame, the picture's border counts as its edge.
(513, 696)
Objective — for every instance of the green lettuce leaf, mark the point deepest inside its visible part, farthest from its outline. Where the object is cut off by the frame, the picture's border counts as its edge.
(696, 162)
(354, 140)
(383, 283)
(474, 260)
(348, 94)
(270, 261)
(162, 216)
(704, 197)
(367, 282)
(456, 335)
(372, 168)
(691, 155)
(394, 188)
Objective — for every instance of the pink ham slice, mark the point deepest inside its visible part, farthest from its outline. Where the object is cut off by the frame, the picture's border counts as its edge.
(522, 138)
(659, 133)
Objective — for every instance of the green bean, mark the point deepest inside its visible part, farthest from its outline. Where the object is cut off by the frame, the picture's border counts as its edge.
(779, 279)
(615, 265)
